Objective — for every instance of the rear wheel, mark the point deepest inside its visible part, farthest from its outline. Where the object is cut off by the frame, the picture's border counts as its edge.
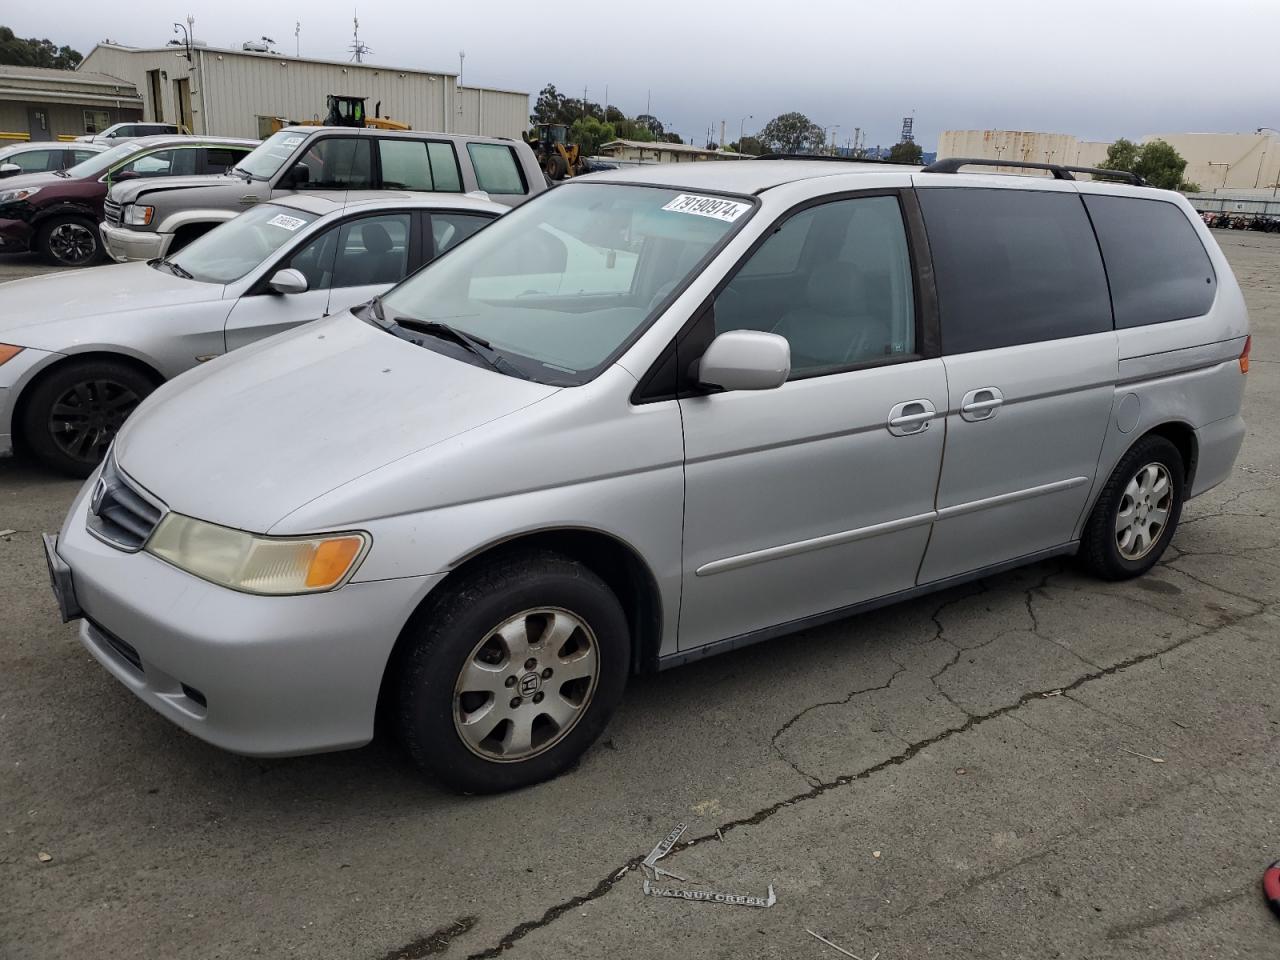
(69, 241)
(1137, 511)
(512, 674)
(72, 415)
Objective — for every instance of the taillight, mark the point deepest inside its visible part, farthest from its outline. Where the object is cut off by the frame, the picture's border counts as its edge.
(1244, 354)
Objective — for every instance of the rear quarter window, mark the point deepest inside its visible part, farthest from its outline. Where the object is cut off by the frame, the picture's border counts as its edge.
(496, 169)
(1158, 268)
(1013, 266)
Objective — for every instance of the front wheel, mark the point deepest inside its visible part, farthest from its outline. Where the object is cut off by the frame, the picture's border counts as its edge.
(69, 241)
(1137, 511)
(512, 673)
(72, 415)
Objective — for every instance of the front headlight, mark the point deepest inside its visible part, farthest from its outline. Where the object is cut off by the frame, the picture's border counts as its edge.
(136, 215)
(21, 193)
(271, 566)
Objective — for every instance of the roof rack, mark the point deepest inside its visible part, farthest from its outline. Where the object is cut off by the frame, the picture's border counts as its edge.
(829, 158)
(1060, 172)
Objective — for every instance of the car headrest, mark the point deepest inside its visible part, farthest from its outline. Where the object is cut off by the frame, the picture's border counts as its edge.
(375, 238)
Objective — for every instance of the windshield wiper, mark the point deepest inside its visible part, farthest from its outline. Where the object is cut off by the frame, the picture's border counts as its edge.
(176, 270)
(236, 171)
(477, 346)
(61, 173)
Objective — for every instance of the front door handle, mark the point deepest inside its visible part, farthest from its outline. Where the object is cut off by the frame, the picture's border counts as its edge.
(911, 417)
(249, 198)
(980, 404)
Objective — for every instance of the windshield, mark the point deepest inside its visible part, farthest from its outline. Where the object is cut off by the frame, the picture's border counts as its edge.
(270, 155)
(231, 250)
(100, 163)
(564, 281)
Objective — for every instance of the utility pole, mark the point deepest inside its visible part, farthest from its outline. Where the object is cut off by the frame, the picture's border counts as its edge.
(297, 39)
(462, 60)
(721, 134)
(584, 101)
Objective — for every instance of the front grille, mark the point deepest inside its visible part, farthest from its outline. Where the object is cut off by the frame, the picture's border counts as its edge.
(112, 213)
(119, 513)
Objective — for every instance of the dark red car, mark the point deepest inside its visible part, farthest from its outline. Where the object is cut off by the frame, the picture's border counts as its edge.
(58, 213)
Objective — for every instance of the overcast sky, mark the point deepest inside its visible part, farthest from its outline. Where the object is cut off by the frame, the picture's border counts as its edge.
(1098, 70)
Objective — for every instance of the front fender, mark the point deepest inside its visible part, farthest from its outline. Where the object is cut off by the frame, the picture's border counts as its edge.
(185, 218)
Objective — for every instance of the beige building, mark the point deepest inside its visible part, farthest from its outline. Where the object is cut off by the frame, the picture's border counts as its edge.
(1215, 161)
(237, 93)
(640, 151)
(41, 104)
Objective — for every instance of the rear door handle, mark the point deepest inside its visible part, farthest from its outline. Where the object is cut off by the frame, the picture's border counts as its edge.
(981, 404)
(910, 417)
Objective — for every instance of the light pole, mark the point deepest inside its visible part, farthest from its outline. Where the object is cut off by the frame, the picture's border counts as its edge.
(1225, 173)
(462, 59)
(741, 127)
(826, 138)
(1276, 184)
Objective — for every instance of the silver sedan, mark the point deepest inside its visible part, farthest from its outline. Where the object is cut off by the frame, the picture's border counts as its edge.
(80, 350)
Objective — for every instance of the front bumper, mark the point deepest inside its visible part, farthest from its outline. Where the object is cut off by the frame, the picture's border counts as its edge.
(264, 676)
(15, 375)
(123, 244)
(15, 236)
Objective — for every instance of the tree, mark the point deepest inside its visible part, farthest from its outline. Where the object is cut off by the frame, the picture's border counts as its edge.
(748, 145)
(591, 134)
(906, 152)
(550, 107)
(36, 53)
(1122, 155)
(792, 133)
(652, 124)
(1156, 162)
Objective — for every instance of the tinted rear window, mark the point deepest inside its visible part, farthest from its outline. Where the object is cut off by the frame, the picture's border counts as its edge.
(1157, 266)
(1013, 266)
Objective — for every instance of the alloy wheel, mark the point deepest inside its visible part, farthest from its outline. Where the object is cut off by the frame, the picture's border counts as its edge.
(72, 243)
(86, 418)
(526, 684)
(1144, 511)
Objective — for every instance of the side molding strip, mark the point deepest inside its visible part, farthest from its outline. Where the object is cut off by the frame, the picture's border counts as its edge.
(816, 543)
(973, 506)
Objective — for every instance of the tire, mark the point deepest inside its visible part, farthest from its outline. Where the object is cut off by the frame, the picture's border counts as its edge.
(555, 167)
(1149, 479)
(455, 642)
(70, 417)
(69, 241)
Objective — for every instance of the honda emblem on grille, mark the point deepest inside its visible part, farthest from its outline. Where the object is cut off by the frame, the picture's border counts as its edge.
(99, 493)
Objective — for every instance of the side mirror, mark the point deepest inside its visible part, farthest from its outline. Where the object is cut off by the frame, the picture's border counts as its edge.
(288, 280)
(746, 360)
(9, 169)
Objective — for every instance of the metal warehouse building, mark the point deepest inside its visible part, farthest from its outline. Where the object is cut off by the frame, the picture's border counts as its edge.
(1215, 161)
(41, 104)
(238, 93)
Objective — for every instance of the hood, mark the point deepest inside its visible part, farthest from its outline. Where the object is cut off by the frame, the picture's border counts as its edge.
(247, 439)
(32, 305)
(30, 180)
(129, 190)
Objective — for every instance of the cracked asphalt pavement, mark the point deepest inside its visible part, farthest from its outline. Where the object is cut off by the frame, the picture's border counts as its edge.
(1036, 765)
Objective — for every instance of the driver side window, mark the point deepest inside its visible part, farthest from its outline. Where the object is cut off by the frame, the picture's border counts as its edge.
(315, 259)
(337, 163)
(835, 280)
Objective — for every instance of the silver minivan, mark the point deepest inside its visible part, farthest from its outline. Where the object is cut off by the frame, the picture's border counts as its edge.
(648, 416)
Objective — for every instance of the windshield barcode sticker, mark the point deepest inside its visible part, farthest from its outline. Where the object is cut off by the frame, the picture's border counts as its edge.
(714, 207)
(288, 222)
(292, 141)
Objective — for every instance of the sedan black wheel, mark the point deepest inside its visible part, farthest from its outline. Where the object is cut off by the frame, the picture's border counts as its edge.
(69, 241)
(73, 414)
